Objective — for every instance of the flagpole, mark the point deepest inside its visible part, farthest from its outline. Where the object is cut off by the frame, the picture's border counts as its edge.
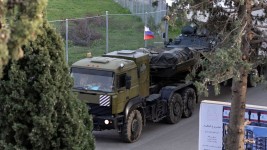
(144, 31)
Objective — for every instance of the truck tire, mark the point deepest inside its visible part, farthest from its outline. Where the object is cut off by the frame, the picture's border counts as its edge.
(174, 113)
(190, 100)
(132, 129)
(252, 78)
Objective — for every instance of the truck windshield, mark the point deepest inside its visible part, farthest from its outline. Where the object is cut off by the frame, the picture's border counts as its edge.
(93, 80)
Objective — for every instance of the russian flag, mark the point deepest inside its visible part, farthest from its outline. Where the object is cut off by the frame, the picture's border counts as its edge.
(148, 34)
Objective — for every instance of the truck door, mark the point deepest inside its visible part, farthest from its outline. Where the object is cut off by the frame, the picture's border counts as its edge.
(122, 92)
(127, 87)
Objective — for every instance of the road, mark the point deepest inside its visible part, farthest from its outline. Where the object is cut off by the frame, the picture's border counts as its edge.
(181, 136)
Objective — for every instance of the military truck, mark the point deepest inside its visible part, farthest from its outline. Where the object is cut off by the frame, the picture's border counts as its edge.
(124, 89)
(121, 93)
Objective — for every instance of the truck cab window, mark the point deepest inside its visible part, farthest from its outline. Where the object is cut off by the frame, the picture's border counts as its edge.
(121, 81)
(92, 80)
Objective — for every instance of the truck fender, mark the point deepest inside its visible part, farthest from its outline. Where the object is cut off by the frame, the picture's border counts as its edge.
(135, 103)
(167, 91)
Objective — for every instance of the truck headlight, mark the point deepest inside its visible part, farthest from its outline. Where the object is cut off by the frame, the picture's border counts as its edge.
(106, 122)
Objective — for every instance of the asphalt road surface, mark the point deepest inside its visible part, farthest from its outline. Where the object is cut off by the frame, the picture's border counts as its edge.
(180, 136)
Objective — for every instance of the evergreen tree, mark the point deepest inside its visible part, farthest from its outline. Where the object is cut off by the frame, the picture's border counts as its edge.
(38, 109)
(19, 22)
(241, 39)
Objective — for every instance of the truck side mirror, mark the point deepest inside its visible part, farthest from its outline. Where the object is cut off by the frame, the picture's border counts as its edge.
(128, 82)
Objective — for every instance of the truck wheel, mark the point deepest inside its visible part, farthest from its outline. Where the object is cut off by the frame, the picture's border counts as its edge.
(132, 129)
(189, 99)
(174, 109)
(252, 78)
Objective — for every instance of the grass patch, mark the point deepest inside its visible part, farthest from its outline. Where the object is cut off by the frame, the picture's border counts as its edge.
(125, 31)
(66, 9)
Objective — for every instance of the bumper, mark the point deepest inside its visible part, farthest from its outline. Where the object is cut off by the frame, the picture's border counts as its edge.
(107, 122)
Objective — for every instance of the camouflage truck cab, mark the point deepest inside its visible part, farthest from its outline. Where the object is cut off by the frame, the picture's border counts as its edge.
(108, 84)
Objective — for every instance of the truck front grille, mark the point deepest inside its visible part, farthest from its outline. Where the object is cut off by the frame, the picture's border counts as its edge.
(96, 109)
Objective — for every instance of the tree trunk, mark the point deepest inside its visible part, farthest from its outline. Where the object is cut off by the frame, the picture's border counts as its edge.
(235, 138)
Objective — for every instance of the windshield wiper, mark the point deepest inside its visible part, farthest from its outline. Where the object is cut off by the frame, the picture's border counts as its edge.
(80, 88)
(91, 90)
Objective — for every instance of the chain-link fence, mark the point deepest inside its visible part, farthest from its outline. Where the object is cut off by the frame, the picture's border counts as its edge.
(105, 33)
(140, 7)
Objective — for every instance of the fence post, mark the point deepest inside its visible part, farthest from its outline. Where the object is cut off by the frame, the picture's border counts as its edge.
(166, 25)
(132, 7)
(67, 42)
(150, 6)
(106, 32)
(143, 11)
(136, 6)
